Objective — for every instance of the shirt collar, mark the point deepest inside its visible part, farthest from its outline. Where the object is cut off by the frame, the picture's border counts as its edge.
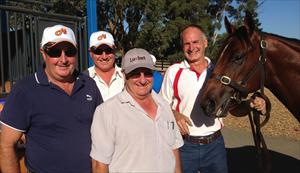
(185, 64)
(92, 71)
(118, 71)
(125, 97)
(42, 79)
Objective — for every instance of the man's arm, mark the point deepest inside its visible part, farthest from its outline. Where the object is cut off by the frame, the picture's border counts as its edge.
(99, 167)
(182, 122)
(167, 92)
(178, 163)
(9, 160)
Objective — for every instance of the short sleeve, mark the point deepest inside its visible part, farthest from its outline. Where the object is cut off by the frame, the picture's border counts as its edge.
(17, 109)
(102, 133)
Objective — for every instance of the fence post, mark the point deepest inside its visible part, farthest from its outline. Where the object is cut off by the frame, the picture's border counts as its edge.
(92, 22)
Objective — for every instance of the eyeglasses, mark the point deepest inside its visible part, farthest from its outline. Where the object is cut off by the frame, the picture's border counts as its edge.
(137, 73)
(100, 51)
(56, 52)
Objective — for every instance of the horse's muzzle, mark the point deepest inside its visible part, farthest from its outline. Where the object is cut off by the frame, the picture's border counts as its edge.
(209, 107)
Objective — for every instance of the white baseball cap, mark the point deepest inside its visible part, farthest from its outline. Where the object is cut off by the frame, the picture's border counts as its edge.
(57, 34)
(153, 58)
(102, 37)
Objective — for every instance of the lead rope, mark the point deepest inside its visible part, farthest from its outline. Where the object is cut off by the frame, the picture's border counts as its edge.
(263, 154)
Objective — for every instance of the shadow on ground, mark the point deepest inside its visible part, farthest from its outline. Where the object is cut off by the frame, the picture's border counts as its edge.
(244, 160)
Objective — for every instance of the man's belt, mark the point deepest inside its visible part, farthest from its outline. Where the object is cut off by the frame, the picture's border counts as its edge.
(202, 139)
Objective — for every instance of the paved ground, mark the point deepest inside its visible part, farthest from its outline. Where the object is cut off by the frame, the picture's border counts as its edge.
(285, 153)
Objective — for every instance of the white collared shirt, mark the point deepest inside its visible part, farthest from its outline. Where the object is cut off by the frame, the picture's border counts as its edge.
(115, 86)
(189, 84)
(123, 135)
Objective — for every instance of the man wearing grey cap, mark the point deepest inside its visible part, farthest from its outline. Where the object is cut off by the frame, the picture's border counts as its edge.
(135, 131)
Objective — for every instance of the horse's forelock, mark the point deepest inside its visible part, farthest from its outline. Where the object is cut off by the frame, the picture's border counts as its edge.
(243, 35)
(228, 41)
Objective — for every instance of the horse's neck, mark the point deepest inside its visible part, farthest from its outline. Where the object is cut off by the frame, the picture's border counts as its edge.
(283, 71)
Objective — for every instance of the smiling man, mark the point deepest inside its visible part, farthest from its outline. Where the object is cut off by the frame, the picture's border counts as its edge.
(135, 131)
(105, 72)
(181, 87)
(54, 109)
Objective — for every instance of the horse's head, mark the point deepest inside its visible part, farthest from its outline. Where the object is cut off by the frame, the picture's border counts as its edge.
(233, 76)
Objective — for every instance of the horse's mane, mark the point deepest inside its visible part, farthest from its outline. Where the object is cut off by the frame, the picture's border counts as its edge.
(282, 37)
(242, 34)
(291, 42)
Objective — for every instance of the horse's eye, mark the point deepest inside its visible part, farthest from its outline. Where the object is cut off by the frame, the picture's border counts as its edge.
(238, 59)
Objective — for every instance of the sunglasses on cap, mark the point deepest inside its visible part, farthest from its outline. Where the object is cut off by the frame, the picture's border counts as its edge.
(55, 52)
(99, 51)
(138, 72)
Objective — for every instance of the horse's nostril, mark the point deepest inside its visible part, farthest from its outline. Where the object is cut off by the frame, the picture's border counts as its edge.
(209, 107)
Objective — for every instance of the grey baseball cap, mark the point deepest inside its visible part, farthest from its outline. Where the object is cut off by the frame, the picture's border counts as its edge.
(137, 58)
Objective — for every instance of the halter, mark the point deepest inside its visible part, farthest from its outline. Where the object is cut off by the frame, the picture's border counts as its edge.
(240, 90)
(254, 116)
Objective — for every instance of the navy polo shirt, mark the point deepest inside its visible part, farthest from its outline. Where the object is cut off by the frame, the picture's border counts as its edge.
(57, 125)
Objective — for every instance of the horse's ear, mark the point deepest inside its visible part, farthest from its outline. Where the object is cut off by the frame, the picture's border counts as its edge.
(229, 28)
(249, 22)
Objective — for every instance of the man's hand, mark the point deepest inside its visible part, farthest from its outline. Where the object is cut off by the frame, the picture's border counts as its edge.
(182, 122)
(259, 104)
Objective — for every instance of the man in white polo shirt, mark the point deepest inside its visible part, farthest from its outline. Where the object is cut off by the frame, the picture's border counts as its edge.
(135, 131)
(203, 148)
(105, 72)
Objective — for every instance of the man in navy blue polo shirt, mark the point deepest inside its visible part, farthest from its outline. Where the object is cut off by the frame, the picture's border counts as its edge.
(54, 109)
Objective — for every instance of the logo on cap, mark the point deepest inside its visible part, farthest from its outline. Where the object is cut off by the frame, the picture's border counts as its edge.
(138, 58)
(59, 32)
(103, 36)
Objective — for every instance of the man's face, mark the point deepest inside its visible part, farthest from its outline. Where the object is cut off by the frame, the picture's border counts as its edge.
(139, 82)
(103, 57)
(60, 61)
(194, 44)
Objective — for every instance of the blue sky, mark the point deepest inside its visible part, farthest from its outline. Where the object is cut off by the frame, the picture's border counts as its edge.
(281, 17)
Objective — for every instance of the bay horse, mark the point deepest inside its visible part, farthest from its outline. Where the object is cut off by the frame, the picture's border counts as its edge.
(248, 61)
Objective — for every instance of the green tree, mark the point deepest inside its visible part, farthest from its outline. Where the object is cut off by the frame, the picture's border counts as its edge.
(123, 18)
(156, 24)
(235, 11)
(175, 16)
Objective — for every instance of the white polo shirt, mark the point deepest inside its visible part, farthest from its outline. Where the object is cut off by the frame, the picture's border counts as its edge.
(115, 86)
(188, 86)
(127, 139)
